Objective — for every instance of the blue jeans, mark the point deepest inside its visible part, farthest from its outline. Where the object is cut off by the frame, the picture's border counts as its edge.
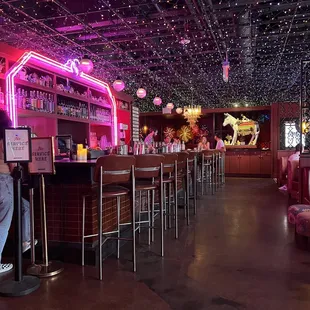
(6, 211)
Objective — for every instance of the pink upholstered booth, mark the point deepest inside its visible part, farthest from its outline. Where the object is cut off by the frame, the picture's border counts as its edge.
(293, 178)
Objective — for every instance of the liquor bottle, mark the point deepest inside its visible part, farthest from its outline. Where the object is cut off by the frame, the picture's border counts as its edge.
(183, 146)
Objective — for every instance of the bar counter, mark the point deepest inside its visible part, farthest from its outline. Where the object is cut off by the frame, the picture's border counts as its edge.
(64, 203)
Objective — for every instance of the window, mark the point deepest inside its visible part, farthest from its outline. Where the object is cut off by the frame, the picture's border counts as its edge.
(292, 136)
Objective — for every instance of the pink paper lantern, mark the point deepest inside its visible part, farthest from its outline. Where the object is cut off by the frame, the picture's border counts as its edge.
(179, 110)
(170, 106)
(118, 85)
(157, 101)
(86, 65)
(141, 93)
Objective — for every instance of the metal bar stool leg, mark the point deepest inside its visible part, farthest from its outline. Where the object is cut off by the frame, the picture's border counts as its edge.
(133, 199)
(216, 171)
(100, 223)
(213, 174)
(149, 217)
(152, 215)
(195, 185)
(118, 206)
(187, 191)
(169, 206)
(176, 200)
(202, 173)
(140, 209)
(83, 232)
(165, 206)
(161, 206)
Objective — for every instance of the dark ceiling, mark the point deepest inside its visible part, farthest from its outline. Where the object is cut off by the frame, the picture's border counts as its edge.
(139, 41)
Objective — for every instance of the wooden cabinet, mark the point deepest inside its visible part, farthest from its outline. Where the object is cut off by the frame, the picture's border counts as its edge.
(244, 164)
(265, 166)
(255, 163)
(234, 164)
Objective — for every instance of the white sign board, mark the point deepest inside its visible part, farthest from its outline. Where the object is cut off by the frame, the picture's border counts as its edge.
(17, 145)
(42, 156)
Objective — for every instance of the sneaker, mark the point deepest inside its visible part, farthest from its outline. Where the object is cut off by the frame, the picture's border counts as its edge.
(5, 267)
(27, 245)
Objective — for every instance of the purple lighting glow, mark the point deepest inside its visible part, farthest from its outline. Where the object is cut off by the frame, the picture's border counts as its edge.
(69, 67)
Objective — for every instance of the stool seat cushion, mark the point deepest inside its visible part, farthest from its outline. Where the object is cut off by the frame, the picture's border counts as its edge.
(114, 191)
(303, 224)
(294, 210)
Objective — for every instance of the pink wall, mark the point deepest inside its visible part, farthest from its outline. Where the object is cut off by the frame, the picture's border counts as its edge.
(125, 118)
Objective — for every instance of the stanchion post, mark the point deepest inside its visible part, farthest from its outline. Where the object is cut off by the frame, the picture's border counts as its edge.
(43, 221)
(32, 240)
(20, 286)
(46, 268)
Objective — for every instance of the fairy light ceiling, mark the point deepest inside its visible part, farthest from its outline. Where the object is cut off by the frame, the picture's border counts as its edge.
(139, 41)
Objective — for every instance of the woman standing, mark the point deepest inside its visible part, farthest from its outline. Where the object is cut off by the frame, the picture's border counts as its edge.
(6, 199)
(203, 145)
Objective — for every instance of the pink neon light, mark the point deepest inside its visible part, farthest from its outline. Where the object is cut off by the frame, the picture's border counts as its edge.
(68, 67)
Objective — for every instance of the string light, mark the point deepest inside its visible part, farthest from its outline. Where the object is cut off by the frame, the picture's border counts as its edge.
(264, 52)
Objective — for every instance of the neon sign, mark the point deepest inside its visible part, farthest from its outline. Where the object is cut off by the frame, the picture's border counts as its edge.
(71, 66)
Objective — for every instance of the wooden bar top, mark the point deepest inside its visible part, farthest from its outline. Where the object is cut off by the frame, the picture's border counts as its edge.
(90, 162)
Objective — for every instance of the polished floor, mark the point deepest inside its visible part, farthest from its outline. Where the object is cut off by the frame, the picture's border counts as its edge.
(238, 253)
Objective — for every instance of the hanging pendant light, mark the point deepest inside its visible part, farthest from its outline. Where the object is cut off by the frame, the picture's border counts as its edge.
(86, 65)
(141, 93)
(157, 101)
(118, 85)
(226, 67)
(170, 106)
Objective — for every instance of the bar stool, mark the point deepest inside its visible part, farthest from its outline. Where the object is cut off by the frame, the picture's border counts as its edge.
(170, 170)
(207, 168)
(192, 171)
(222, 168)
(183, 175)
(219, 169)
(148, 168)
(109, 172)
(216, 169)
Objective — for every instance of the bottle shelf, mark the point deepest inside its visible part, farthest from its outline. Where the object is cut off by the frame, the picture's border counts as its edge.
(32, 113)
(100, 104)
(35, 86)
(59, 95)
(72, 118)
(72, 96)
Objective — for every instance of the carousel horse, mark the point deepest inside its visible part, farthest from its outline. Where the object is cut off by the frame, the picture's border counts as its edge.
(243, 127)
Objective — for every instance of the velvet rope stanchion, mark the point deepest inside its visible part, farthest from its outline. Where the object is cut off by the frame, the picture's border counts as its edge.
(43, 163)
(21, 285)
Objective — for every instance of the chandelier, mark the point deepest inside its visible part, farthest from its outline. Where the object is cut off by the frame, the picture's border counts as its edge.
(192, 113)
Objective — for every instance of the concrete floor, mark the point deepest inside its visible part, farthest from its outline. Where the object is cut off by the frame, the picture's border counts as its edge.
(238, 253)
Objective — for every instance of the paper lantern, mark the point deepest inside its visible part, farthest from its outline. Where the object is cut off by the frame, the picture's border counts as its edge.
(86, 65)
(226, 68)
(170, 105)
(118, 85)
(157, 101)
(179, 110)
(141, 93)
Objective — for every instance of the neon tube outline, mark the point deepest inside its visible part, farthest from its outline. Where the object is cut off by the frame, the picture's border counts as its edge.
(10, 86)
